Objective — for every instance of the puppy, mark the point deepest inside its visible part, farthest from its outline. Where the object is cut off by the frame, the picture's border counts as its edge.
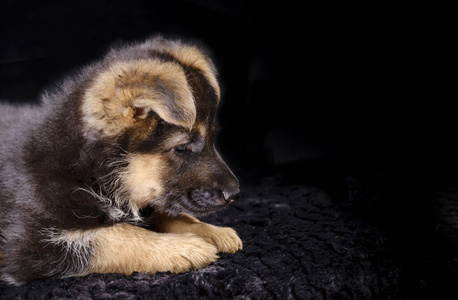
(110, 171)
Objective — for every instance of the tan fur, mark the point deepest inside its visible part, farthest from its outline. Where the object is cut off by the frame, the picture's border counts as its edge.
(225, 239)
(117, 95)
(191, 56)
(124, 248)
(142, 180)
(176, 139)
(202, 129)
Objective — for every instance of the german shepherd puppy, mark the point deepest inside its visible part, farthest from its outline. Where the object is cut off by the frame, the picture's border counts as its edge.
(110, 171)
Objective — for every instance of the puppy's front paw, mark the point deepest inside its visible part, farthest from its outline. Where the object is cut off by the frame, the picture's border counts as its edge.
(191, 252)
(224, 238)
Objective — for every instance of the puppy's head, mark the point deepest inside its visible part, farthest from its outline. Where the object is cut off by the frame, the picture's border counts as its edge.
(158, 101)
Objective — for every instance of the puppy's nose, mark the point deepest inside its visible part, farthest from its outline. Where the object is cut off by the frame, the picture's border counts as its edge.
(232, 194)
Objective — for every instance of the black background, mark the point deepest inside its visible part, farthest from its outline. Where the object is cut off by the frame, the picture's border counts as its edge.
(367, 86)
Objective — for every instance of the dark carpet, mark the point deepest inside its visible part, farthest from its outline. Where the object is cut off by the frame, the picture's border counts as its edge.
(307, 235)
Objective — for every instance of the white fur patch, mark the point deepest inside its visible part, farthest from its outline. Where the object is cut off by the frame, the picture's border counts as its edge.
(11, 280)
(77, 243)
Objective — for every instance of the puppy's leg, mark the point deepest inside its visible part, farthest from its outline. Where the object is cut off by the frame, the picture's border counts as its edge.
(124, 248)
(224, 238)
(121, 248)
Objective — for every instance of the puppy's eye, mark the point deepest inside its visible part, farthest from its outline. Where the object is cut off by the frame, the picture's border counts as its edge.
(183, 148)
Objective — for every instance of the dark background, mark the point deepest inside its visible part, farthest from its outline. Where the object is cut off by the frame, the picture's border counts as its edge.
(365, 86)
(331, 92)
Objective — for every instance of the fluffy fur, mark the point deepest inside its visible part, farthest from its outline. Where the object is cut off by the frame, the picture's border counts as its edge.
(104, 175)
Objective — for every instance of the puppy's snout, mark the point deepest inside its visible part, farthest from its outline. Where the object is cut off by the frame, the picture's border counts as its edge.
(225, 181)
(231, 194)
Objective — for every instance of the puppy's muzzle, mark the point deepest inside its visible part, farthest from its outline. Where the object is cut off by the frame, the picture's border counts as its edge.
(215, 197)
(222, 189)
(217, 185)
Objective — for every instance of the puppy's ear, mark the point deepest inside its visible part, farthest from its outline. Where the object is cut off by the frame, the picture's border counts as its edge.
(126, 92)
(174, 105)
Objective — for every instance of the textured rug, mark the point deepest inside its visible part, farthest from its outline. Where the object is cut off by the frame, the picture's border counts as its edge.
(305, 237)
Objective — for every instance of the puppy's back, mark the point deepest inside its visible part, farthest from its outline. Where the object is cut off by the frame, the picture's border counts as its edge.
(15, 122)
